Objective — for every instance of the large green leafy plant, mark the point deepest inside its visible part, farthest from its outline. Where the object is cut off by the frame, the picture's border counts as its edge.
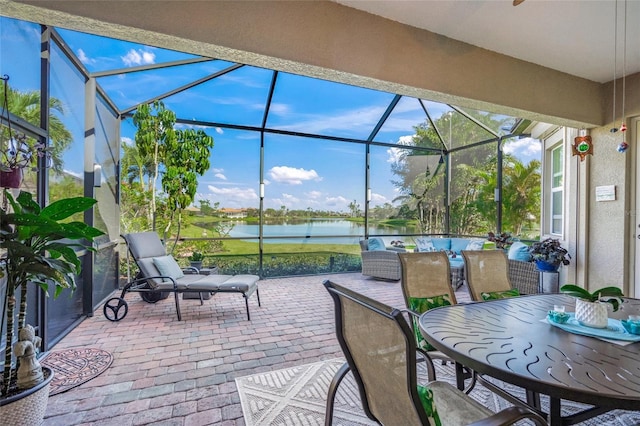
(38, 245)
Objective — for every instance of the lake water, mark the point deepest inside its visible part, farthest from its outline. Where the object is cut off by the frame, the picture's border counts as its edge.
(315, 228)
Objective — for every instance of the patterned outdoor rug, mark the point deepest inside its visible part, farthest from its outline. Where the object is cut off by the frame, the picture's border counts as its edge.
(75, 366)
(297, 395)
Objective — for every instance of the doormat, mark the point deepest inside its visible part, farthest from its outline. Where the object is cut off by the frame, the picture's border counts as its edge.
(75, 366)
(297, 395)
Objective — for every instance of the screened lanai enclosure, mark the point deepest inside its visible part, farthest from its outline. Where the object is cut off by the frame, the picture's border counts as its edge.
(301, 169)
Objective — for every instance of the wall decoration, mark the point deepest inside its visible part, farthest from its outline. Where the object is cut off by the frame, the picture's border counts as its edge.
(582, 146)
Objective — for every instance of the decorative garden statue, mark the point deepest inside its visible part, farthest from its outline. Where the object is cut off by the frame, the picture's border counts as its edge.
(29, 369)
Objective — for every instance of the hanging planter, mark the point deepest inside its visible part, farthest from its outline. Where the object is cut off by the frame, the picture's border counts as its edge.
(17, 151)
(11, 178)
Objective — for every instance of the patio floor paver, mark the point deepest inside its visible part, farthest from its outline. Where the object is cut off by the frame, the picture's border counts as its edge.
(170, 372)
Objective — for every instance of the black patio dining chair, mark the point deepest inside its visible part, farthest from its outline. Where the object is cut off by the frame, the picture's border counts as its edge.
(381, 354)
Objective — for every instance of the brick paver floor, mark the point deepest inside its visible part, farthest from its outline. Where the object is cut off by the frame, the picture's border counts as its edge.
(170, 372)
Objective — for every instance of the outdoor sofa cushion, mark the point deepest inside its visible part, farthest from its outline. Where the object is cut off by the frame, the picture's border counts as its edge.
(375, 244)
(519, 251)
(455, 245)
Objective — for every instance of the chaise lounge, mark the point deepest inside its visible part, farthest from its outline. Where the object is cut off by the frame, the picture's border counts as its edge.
(160, 273)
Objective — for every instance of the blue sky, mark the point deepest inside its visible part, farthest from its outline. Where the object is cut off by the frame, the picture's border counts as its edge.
(300, 173)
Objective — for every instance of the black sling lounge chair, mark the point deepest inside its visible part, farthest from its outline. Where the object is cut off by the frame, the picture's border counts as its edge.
(160, 273)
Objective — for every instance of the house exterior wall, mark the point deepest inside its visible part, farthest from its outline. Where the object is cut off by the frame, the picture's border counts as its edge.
(610, 229)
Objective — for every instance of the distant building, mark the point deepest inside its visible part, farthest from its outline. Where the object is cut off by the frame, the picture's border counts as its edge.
(234, 213)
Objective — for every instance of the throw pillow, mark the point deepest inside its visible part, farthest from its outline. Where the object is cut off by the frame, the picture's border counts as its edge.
(428, 404)
(423, 304)
(168, 267)
(459, 244)
(495, 295)
(475, 245)
(519, 251)
(376, 244)
(441, 243)
(424, 245)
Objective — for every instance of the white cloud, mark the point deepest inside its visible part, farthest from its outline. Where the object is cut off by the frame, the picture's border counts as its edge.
(290, 198)
(84, 58)
(292, 176)
(525, 147)
(234, 194)
(219, 131)
(267, 182)
(277, 108)
(396, 154)
(72, 173)
(127, 141)
(338, 201)
(378, 198)
(340, 120)
(313, 194)
(220, 176)
(138, 57)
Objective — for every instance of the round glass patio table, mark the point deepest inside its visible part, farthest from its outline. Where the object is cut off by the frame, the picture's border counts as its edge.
(510, 340)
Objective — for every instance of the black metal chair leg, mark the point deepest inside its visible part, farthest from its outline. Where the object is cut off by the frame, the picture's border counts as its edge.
(246, 303)
(331, 394)
(258, 296)
(175, 294)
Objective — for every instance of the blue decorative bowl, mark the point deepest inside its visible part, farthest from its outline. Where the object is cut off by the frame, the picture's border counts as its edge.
(558, 317)
(632, 327)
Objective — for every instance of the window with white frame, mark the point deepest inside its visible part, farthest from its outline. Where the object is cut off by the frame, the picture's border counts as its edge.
(557, 190)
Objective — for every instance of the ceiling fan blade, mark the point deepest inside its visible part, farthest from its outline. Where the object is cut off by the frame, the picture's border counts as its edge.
(517, 2)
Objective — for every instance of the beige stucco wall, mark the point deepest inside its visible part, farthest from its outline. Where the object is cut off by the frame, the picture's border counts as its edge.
(609, 223)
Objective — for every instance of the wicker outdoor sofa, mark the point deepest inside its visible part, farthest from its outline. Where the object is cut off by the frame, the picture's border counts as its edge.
(385, 264)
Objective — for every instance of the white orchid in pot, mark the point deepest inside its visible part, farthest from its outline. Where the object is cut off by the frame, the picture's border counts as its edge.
(37, 249)
(592, 307)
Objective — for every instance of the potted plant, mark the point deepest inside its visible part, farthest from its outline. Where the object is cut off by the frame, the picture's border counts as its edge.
(591, 308)
(549, 254)
(195, 259)
(503, 241)
(37, 249)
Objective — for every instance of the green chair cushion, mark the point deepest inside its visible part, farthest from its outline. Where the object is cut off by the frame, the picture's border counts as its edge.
(500, 294)
(428, 404)
(420, 305)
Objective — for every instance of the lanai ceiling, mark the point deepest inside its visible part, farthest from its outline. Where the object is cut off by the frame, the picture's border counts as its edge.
(576, 37)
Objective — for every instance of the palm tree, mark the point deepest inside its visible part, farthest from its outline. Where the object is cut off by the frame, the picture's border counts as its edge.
(27, 106)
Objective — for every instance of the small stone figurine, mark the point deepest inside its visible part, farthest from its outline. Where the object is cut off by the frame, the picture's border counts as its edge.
(29, 368)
